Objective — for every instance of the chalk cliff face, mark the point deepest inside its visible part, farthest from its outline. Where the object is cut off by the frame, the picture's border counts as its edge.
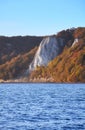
(49, 48)
(75, 42)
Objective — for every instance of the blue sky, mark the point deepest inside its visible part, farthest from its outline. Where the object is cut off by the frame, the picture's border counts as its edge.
(40, 17)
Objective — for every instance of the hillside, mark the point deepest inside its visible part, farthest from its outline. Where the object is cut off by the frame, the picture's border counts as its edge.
(56, 58)
(15, 55)
(69, 66)
(13, 46)
(16, 66)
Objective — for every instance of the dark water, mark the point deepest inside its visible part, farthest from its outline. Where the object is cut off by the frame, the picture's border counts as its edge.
(42, 106)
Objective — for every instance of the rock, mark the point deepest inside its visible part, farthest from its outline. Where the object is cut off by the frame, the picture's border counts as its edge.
(75, 41)
(49, 48)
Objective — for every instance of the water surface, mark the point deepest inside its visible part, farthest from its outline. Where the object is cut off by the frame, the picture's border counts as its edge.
(42, 106)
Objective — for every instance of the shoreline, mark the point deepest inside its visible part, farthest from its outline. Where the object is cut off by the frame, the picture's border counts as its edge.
(40, 81)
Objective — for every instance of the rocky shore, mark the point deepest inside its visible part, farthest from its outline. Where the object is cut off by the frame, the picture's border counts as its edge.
(25, 80)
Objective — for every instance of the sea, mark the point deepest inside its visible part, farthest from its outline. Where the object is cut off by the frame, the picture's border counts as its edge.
(42, 106)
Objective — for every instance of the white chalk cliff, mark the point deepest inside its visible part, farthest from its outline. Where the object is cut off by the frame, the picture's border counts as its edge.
(75, 42)
(49, 48)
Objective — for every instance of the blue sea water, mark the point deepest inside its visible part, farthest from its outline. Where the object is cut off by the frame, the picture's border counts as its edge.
(42, 106)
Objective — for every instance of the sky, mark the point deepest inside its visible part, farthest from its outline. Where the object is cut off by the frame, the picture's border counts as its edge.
(40, 17)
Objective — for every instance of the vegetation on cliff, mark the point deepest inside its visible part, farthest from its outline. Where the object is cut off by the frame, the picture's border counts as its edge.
(17, 65)
(69, 66)
(16, 53)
